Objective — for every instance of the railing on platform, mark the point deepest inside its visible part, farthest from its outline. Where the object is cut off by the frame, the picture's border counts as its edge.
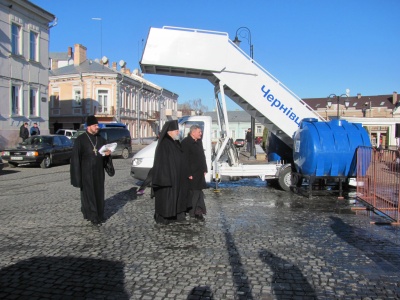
(378, 180)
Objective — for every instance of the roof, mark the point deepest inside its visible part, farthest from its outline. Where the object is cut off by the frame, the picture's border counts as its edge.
(88, 66)
(355, 102)
(233, 116)
(59, 55)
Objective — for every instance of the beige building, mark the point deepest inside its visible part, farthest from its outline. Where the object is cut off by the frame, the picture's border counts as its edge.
(23, 68)
(79, 87)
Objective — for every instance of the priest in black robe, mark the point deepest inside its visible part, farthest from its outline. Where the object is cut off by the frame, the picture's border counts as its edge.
(170, 177)
(87, 171)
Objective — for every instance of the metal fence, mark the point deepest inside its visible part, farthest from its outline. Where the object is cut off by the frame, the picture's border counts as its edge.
(378, 180)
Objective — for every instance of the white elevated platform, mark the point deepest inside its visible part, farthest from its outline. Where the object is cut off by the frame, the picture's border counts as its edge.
(213, 56)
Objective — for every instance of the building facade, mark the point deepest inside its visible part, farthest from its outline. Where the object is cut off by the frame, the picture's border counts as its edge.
(24, 68)
(82, 87)
(378, 114)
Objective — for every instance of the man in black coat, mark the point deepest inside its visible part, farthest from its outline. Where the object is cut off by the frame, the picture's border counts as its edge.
(249, 140)
(194, 153)
(24, 131)
(87, 171)
(170, 177)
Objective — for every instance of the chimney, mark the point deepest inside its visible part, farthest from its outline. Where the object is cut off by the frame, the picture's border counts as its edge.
(394, 97)
(127, 71)
(114, 65)
(359, 96)
(80, 54)
(69, 52)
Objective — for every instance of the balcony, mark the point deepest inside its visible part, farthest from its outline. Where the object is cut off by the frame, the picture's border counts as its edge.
(105, 110)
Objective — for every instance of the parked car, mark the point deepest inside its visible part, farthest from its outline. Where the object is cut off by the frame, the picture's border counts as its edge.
(119, 135)
(43, 150)
(67, 132)
(239, 143)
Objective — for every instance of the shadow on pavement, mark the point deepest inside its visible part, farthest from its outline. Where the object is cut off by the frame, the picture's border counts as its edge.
(239, 274)
(383, 252)
(113, 204)
(288, 281)
(201, 292)
(62, 278)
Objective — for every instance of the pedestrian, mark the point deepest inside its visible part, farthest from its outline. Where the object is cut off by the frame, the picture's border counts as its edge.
(170, 177)
(249, 140)
(35, 130)
(23, 131)
(87, 171)
(194, 152)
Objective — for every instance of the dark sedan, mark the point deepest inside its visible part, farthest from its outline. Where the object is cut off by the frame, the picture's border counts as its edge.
(43, 150)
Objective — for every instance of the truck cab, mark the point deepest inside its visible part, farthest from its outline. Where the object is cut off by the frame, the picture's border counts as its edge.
(143, 161)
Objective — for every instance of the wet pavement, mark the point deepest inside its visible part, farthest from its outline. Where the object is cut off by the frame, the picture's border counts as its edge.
(257, 243)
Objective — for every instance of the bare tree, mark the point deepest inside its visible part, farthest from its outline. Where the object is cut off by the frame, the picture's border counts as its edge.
(192, 105)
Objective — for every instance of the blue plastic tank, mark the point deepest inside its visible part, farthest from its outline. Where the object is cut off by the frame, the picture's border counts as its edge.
(328, 148)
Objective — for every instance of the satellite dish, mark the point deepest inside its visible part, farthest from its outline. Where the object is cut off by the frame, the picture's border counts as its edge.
(122, 63)
(104, 59)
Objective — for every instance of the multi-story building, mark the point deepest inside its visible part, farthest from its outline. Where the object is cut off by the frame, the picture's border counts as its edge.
(79, 87)
(23, 68)
(379, 114)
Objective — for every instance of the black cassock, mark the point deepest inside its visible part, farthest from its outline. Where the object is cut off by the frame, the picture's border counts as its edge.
(87, 173)
(170, 181)
(197, 164)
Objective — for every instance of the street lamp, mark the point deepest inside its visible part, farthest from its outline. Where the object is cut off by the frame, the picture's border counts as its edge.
(161, 103)
(245, 33)
(101, 35)
(333, 96)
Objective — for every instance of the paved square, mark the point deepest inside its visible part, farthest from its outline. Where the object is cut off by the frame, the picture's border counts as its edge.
(257, 243)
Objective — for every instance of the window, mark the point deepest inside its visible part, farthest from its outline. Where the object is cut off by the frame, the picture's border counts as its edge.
(77, 98)
(102, 98)
(16, 100)
(258, 130)
(55, 100)
(33, 105)
(33, 46)
(15, 39)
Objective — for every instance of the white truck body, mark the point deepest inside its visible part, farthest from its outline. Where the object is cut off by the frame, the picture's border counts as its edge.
(221, 161)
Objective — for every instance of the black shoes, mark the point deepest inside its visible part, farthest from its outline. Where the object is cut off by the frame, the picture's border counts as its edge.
(199, 218)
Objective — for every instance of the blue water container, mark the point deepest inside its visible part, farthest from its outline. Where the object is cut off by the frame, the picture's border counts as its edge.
(328, 148)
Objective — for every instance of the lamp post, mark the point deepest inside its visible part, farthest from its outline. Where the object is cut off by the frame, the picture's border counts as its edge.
(101, 35)
(245, 33)
(333, 96)
(161, 103)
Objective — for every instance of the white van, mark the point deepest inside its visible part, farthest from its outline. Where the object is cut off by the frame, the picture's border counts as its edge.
(67, 132)
(143, 161)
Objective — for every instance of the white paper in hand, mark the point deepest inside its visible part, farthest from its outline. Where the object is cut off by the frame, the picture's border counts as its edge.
(110, 147)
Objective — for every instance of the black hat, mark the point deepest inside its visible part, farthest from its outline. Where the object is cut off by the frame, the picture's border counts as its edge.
(172, 125)
(91, 120)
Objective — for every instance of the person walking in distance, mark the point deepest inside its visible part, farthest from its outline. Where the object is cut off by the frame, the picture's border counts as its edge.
(23, 131)
(170, 177)
(35, 130)
(249, 140)
(87, 171)
(193, 148)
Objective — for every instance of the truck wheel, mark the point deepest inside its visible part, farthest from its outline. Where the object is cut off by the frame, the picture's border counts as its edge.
(125, 153)
(46, 162)
(285, 179)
